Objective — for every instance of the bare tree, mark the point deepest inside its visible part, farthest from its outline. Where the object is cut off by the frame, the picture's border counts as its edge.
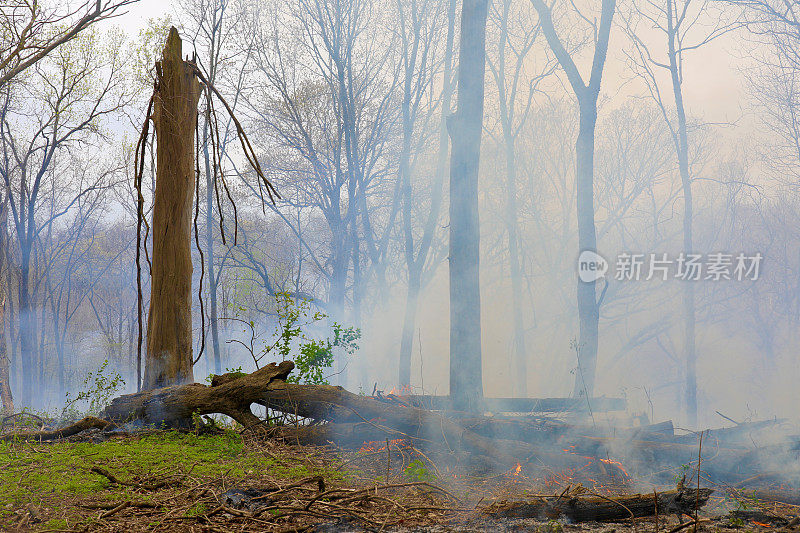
(420, 31)
(680, 30)
(510, 65)
(212, 27)
(325, 106)
(6, 396)
(58, 108)
(30, 31)
(587, 94)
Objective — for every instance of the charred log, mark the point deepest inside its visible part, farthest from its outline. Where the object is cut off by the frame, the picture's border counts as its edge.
(580, 509)
(526, 405)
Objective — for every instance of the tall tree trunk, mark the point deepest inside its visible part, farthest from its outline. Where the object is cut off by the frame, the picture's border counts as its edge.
(588, 312)
(27, 344)
(409, 322)
(169, 323)
(682, 150)
(415, 270)
(212, 279)
(6, 397)
(520, 354)
(466, 375)
(9, 330)
(41, 384)
(586, 94)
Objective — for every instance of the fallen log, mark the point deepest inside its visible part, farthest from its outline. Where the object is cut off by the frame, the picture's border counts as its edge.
(178, 403)
(232, 394)
(596, 508)
(327, 402)
(740, 435)
(89, 422)
(524, 405)
(549, 431)
(792, 497)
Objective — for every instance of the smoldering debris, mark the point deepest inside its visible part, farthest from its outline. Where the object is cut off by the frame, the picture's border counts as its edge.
(487, 472)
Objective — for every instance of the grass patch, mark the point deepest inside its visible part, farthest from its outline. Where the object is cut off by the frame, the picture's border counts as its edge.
(51, 474)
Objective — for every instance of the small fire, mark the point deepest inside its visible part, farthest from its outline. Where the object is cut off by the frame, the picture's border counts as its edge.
(380, 445)
(405, 390)
(517, 469)
(617, 464)
(762, 524)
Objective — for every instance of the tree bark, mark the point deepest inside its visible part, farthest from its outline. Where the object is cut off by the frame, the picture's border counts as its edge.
(169, 323)
(466, 374)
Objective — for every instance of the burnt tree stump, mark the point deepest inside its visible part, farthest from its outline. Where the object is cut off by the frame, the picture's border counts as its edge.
(168, 359)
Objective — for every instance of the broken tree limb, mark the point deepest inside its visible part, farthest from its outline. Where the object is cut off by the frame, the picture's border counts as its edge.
(178, 403)
(89, 422)
(581, 509)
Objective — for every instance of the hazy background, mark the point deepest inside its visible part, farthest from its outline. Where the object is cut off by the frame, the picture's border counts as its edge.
(744, 162)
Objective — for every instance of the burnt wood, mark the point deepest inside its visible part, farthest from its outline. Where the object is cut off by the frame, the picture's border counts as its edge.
(580, 509)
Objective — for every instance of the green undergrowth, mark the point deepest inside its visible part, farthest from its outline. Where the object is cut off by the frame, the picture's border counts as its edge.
(53, 475)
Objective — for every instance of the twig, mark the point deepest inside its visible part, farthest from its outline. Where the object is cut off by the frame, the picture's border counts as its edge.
(688, 524)
(115, 510)
(655, 502)
(728, 418)
(697, 494)
(388, 464)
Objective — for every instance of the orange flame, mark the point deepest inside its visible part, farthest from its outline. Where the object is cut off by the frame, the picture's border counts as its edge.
(518, 469)
(617, 464)
(380, 445)
(405, 390)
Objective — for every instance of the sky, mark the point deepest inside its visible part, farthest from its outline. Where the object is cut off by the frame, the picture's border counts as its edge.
(138, 14)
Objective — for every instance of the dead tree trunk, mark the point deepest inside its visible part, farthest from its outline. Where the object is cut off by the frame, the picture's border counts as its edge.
(169, 324)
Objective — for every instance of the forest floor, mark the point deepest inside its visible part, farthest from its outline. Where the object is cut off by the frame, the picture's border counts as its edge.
(223, 481)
